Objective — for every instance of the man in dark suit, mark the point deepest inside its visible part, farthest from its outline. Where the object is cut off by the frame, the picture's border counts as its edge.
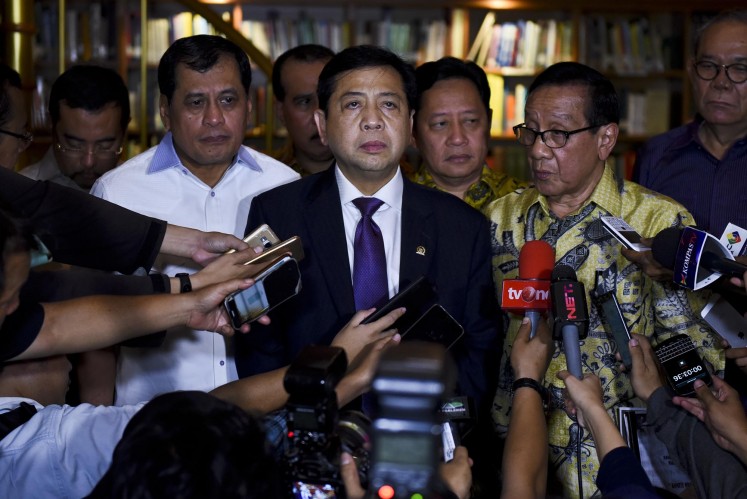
(366, 100)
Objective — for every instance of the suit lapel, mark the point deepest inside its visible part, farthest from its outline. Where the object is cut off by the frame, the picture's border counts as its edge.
(418, 235)
(326, 228)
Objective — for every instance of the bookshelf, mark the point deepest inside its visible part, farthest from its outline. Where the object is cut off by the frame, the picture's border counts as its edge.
(642, 46)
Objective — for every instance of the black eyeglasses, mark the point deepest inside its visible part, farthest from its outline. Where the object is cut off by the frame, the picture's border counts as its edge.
(737, 73)
(554, 139)
(25, 137)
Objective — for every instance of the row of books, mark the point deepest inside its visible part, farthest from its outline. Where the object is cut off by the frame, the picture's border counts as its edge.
(523, 46)
(625, 45)
(644, 112)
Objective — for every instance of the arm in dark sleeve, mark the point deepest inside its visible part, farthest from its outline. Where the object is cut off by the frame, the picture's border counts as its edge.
(20, 329)
(714, 472)
(80, 229)
(621, 475)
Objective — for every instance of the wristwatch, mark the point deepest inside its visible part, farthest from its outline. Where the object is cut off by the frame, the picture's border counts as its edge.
(534, 385)
(185, 284)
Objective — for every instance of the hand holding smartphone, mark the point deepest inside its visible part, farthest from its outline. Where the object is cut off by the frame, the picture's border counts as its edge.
(292, 245)
(624, 233)
(277, 283)
(415, 297)
(262, 236)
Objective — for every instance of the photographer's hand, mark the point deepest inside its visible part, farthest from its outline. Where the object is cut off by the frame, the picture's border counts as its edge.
(457, 473)
(350, 480)
(355, 336)
(722, 414)
(739, 355)
(645, 376)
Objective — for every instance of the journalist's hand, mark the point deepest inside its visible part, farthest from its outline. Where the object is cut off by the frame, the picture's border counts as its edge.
(530, 357)
(362, 369)
(645, 376)
(739, 355)
(722, 413)
(355, 336)
(224, 268)
(645, 261)
(205, 310)
(457, 473)
(585, 395)
(210, 245)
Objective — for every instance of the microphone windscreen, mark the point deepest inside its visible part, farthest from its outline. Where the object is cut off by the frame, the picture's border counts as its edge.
(665, 245)
(564, 272)
(536, 260)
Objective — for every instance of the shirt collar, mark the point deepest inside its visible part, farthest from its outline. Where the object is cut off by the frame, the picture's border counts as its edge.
(606, 194)
(390, 193)
(165, 157)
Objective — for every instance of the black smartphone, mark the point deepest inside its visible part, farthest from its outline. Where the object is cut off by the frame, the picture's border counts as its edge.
(680, 361)
(436, 325)
(614, 324)
(275, 284)
(415, 298)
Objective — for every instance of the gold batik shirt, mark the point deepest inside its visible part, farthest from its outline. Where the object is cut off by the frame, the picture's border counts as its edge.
(491, 186)
(654, 309)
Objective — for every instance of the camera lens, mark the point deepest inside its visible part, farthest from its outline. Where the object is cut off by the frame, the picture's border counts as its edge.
(354, 430)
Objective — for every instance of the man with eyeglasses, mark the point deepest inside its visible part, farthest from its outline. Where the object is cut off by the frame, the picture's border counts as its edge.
(572, 115)
(703, 164)
(14, 136)
(90, 109)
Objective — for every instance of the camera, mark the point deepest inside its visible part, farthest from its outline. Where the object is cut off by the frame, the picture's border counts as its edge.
(316, 433)
(411, 382)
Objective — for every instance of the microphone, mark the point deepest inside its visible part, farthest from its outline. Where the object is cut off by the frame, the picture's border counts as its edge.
(570, 314)
(530, 292)
(691, 254)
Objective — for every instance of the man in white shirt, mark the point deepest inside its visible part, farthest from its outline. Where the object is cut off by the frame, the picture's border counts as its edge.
(90, 109)
(199, 176)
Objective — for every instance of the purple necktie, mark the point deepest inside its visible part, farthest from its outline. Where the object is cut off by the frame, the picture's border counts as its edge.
(370, 286)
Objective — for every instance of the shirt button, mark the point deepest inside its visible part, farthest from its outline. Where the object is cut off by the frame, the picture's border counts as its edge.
(222, 363)
(212, 194)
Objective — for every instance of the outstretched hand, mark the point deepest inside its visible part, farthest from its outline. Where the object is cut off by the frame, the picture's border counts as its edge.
(584, 394)
(530, 357)
(207, 312)
(645, 376)
(355, 336)
(227, 267)
(722, 413)
(646, 262)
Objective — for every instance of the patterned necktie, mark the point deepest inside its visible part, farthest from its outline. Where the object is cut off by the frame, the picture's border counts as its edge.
(370, 286)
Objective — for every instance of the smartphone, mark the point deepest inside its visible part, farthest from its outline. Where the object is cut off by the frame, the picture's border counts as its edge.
(262, 236)
(624, 233)
(681, 363)
(292, 246)
(415, 297)
(614, 322)
(726, 321)
(274, 285)
(436, 325)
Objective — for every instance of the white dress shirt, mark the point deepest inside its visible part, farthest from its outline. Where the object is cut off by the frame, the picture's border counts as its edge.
(155, 183)
(62, 451)
(388, 217)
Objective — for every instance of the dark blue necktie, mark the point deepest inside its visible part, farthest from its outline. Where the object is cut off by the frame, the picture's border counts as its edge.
(370, 287)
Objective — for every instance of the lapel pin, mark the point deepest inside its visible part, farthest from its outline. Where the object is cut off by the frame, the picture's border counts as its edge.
(420, 250)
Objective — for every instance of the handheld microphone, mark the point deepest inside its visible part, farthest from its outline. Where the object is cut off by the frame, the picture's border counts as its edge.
(570, 314)
(696, 257)
(531, 291)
